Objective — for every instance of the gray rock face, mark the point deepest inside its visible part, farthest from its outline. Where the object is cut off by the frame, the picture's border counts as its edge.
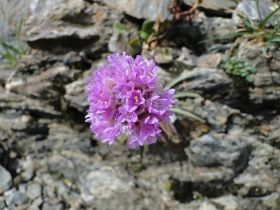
(206, 80)
(215, 6)
(65, 22)
(154, 10)
(34, 190)
(11, 100)
(254, 12)
(210, 152)
(17, 198)
(47, 206)
(260, 178)
(114, 180)
(60, 164)
(5, 179)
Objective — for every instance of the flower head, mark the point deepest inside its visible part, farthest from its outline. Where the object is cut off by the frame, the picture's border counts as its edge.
(125, 98)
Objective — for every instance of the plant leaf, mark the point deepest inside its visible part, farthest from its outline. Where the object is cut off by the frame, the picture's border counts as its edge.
(187, 94)
(118, 27)
(6, 46)
(249, 78)
(227, 36)
(21, 49)
(147, 26)
(264, 21)
(144, 35)
(187, 114)
(179, 79)
(274, 40)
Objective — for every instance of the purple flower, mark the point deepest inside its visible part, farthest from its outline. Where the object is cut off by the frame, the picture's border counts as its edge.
(125, 97)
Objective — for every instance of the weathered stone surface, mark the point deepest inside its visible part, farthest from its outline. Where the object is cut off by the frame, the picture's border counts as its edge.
(34, 190)
(76, 94)
(47, 206)
(266, 79)
(5, 179)
(215, 6)
(45, 85)
(209, 61)
(206, 80)
(222, 151)
(254, 12)
(10, 100)
(114, 180)
(16, 198)
(228, 202)
(59, 164)
(264, 160)
(154, 10)
(73, 24)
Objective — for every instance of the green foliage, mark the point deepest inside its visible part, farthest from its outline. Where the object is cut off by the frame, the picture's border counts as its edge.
(187, 114)
(118, 27)
(12, 53)
(147, 30)
(198, 196)
(259, 30)
(239, 67)
(168, 187)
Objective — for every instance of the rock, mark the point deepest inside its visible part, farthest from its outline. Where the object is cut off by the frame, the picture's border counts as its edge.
(15, 101)
(59, 164)
(217, 27)
(163, 55)
(33, 207)
(47, 206)
(209, 61)
(27, 169)
(115, 180)
(272, 201)
(75, 88)
(76, 95)
(227, 202)
(207, 206)
(74, 24)
(2, 204)
(20, 123)
(37, 202)
(34, 190)
(65, 138)
(17, 198)
(72, 199)
(267, 75)
(260, 178)
(80, 102)
(46, 86)
(154, 10)
(5, 179)
(206, 80)
(249, 9)
(226, 151)
(186, 60)
(5, 73)
(217, 7)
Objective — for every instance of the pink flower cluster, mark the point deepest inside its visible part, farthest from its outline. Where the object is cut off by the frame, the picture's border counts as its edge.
(125, 98)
